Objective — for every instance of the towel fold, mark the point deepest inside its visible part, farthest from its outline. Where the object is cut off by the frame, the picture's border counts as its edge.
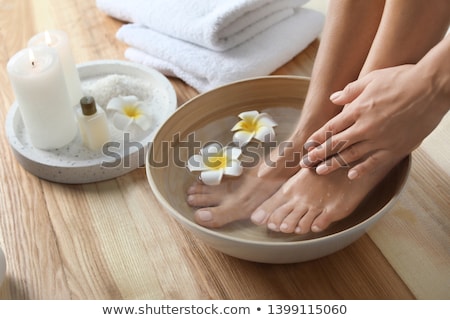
(215, 24)
(205, 69)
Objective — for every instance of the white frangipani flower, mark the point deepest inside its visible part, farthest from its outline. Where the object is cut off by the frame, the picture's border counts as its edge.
(254, 125)
(213, 162)
(129, 111)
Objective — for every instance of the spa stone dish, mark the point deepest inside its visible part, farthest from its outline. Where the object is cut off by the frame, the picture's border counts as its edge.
(74, 163)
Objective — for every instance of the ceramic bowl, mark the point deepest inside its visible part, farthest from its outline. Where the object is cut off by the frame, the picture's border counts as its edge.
(210, 117)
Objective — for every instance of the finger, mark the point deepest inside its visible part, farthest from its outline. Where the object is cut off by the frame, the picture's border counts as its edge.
(369, 164)
(331, 148)
(350, 92)
(328, 166)
(335, 125)
(353, 154)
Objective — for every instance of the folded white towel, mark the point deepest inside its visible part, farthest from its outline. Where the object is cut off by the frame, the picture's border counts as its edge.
(204, 69)
(214, 24)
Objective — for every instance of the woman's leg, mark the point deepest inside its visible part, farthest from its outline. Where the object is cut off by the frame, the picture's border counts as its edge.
(346, 40)
(348, 34)
(408, 30)
(347, 37)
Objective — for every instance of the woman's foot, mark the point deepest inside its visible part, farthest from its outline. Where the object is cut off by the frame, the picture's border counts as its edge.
(234, 199)
(309, 202)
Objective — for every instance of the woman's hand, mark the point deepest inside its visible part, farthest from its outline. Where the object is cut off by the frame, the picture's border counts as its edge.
(387, 114)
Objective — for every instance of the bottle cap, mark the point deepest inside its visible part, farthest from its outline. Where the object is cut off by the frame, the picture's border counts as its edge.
(88, 106)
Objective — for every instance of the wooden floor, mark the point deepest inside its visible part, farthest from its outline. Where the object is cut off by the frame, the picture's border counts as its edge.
(112, 240)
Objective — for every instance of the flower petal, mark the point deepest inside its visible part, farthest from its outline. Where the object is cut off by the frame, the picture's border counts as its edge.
(212, 149)
(248, 115)
(212, 177)
(144, 121)
(264, 119)
(241, 138)
(115, 104)
(233, 168)
(241, 125)
(121, 121)
(265, 134)
(195, 163)
(232, 153)
(144, 108)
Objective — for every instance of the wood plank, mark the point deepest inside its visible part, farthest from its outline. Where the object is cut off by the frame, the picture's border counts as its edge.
(415, 235)
(347, 274)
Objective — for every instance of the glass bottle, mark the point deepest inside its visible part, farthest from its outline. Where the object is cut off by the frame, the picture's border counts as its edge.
(93, 124)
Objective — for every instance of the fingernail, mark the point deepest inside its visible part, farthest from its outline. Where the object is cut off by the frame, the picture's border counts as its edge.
(306, 161)
(322, 169)
(335, 95)
(315, 228)
(303, 164)
(258, 216)
(352, 174)
(204, 215)
(309, 145)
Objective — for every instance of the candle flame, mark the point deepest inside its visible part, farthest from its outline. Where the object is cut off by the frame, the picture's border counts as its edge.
(32, 57)
(48, 38)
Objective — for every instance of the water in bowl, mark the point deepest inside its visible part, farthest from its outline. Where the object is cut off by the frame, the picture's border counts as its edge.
(218, 130)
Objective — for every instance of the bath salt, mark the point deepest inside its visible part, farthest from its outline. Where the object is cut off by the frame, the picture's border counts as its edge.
(114, 85)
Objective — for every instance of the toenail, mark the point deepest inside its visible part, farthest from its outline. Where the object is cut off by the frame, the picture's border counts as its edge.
(315, 229)
(204, 215)
(284, 226)
(258, 216)
(298, 230)
(272, 226)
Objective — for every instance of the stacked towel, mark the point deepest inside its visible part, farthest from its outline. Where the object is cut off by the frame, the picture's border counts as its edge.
(214, 24)
(210, 43)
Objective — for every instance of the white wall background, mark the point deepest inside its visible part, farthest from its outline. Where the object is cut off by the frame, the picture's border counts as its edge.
(319, 5)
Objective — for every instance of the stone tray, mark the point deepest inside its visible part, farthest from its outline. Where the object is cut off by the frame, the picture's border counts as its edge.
(74, 163)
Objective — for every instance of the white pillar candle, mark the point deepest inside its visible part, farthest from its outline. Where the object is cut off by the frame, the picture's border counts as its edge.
(38, 82)
(60, 41)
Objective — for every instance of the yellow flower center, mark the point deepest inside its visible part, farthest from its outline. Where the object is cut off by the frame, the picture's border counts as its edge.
(249, 126)
(132, 111)
(217, 162)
